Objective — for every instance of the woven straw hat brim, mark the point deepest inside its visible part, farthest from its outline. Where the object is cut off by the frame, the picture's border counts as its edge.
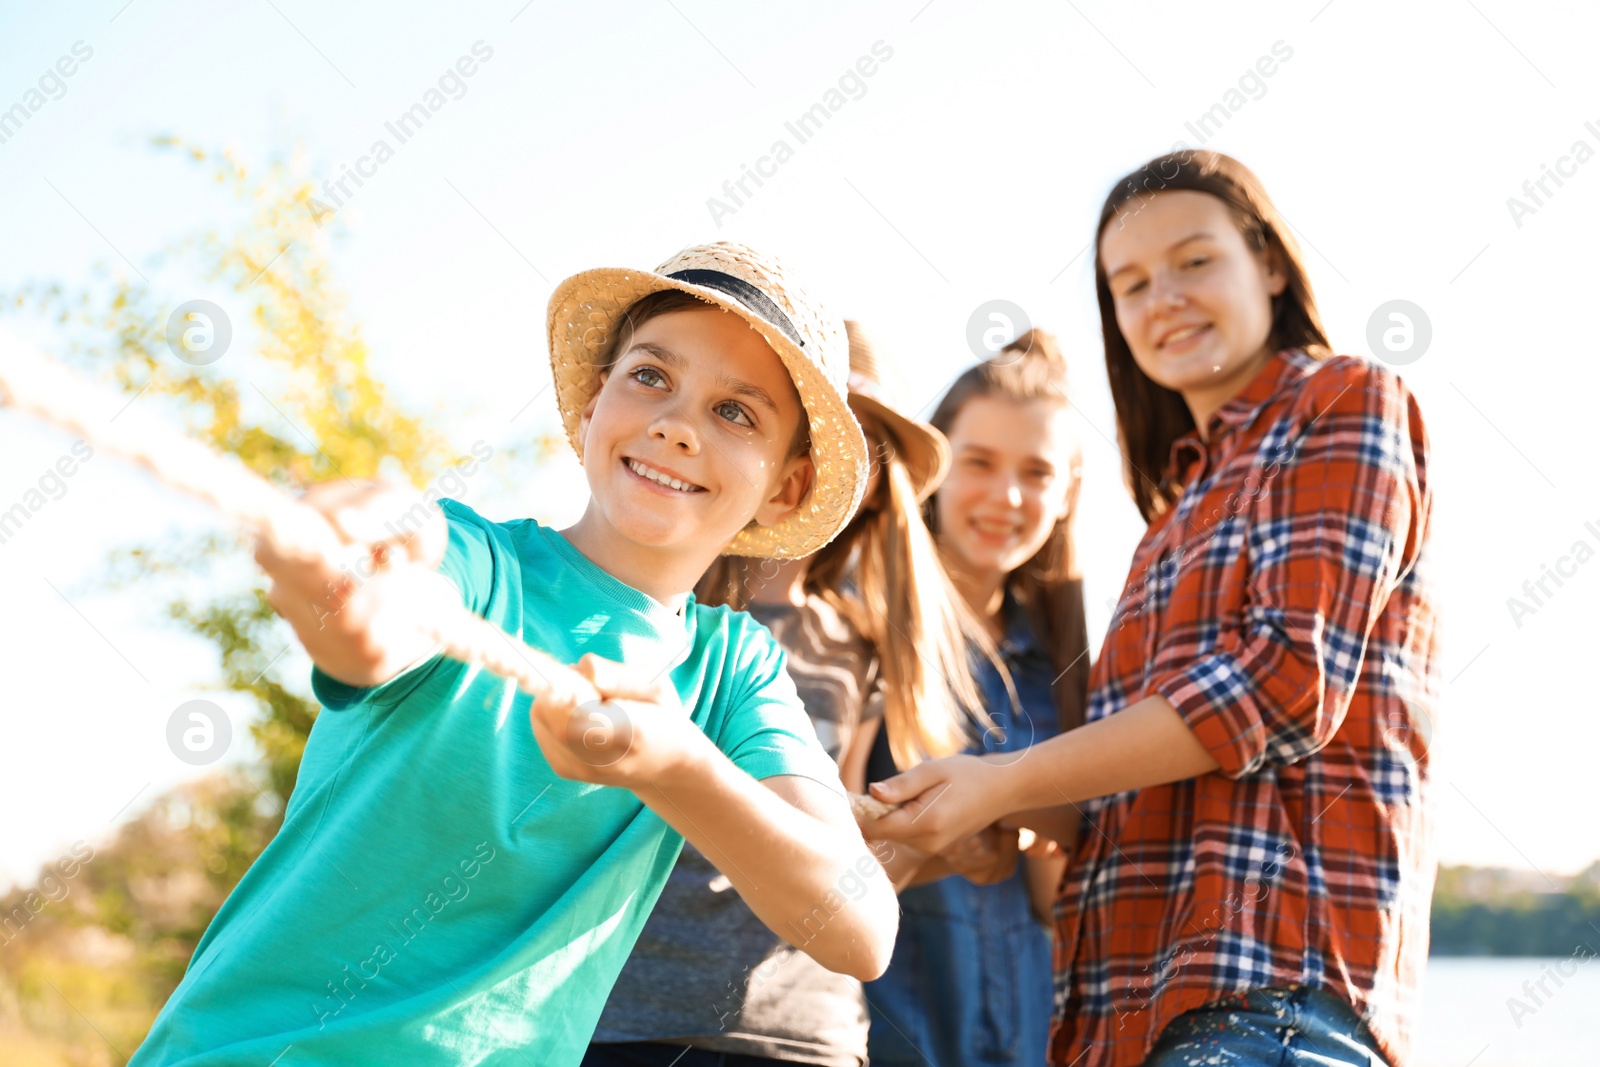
(583, 314)
(923, 449)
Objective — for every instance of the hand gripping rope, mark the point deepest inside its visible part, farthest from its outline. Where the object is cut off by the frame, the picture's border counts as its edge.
(31, 382)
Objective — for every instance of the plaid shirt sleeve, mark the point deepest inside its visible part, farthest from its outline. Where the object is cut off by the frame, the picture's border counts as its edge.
(1329, 534)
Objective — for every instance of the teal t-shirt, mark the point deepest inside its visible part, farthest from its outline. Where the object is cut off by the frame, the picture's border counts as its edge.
(437, 895)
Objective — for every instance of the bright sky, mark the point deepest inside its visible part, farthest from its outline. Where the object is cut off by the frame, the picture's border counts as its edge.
(969, 166)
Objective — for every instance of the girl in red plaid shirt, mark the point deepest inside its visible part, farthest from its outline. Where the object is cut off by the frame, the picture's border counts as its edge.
(1250, 797)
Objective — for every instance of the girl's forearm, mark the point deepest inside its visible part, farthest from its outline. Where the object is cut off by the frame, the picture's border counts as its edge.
(932, 869)
(809, 877)
(1145, 744)
(1059, 824)
(902, 864)
(1044, 878)
(907, 867)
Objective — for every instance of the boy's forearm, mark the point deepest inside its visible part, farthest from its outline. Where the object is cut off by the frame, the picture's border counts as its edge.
(365, 635)
(809, 877)
(335, 642)
(360, 619)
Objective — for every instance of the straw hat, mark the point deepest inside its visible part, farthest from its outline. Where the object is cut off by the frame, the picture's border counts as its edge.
(921, 447)
(583, 315)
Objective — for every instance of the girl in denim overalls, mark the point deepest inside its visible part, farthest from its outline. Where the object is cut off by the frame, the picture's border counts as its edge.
(970, 978)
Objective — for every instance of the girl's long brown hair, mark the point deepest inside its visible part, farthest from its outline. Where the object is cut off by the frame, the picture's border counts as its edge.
(1049, 586)
(883, 574)
(1151, 417)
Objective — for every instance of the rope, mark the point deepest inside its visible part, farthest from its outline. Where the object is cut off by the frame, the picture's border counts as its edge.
(32, 383)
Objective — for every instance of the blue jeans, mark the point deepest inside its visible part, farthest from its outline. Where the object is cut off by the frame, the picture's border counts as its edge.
(1300, 1027)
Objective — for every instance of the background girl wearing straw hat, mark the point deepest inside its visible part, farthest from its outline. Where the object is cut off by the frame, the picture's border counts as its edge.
(970, 979)
(873, 631)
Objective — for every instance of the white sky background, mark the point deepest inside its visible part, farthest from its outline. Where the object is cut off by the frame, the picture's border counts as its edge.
(972, 168)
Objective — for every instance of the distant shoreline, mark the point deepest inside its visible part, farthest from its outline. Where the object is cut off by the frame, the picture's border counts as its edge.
(1483, 912)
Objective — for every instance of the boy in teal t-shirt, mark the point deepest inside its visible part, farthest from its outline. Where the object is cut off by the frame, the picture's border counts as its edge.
(451, 887)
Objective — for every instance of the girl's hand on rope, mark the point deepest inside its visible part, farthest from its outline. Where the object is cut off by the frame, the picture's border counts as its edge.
(636, 734)
(361, 618)
(987, 857)
(940, 802)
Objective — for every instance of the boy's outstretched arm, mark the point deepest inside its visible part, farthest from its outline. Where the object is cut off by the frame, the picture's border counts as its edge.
(789, 845)
(363, 625)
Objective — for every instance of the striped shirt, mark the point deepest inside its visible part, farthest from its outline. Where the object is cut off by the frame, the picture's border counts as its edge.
(1283, 607)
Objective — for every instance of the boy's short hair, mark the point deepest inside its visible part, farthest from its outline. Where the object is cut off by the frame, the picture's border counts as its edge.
(665, 302)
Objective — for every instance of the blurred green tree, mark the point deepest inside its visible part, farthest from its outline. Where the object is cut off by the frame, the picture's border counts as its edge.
(87, 961)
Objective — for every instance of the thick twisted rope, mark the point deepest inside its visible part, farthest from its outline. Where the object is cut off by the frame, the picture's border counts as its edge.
(33, 383)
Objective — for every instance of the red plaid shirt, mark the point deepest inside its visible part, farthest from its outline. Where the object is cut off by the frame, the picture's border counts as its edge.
(1283, 607)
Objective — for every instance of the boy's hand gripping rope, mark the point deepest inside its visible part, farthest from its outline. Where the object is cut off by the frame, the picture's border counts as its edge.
(33, 383)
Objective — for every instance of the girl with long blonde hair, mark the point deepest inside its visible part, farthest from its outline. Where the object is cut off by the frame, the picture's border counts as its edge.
(970, 978)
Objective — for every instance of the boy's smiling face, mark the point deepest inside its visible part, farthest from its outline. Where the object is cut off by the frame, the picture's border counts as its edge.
(690, 436)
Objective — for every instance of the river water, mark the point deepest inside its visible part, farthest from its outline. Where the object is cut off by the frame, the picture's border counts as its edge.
(1467, 1017)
